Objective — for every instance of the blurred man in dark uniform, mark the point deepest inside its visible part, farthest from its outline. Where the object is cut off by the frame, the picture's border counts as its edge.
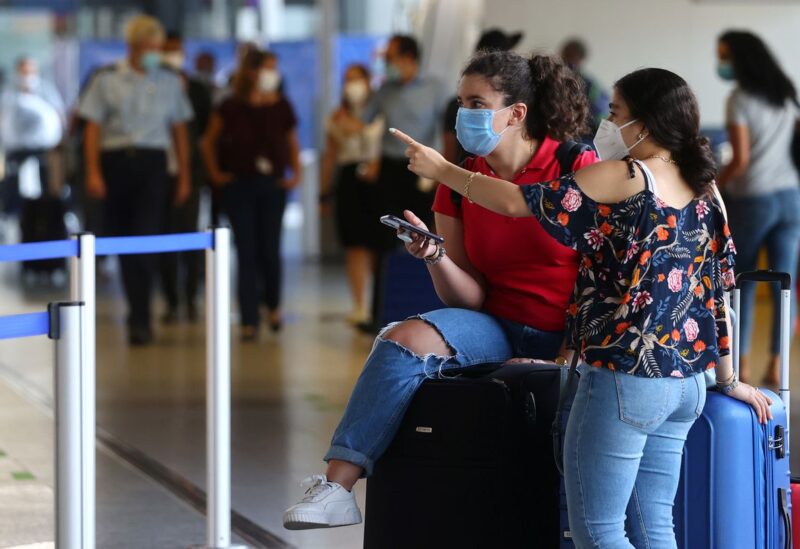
(134, 111)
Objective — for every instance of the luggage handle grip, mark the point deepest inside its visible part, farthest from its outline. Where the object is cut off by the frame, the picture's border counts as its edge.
(784, 279)
(785, 282)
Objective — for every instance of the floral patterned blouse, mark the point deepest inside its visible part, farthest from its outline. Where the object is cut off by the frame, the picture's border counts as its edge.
(648, 300)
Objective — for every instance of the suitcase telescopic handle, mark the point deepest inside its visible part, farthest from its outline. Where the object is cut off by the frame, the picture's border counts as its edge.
(784, 279)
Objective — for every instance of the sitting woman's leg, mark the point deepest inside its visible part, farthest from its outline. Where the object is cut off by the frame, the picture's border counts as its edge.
(435, 344)
(413, 336)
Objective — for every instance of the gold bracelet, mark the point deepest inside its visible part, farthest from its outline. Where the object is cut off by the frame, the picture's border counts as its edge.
(467, 184)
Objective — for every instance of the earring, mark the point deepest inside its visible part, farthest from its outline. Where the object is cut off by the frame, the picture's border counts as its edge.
(641, 136)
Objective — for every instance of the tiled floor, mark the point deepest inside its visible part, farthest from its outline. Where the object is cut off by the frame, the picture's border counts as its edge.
(133, 512)
(288, 392)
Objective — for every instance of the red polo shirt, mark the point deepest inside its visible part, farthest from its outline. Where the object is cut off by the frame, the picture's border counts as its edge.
(529, 275)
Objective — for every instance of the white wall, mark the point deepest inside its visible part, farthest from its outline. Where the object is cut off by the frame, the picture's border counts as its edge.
(679, 35)
(449, 34)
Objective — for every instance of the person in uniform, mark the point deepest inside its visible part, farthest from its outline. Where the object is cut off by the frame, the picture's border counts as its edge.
(134, 110)
(181, 272)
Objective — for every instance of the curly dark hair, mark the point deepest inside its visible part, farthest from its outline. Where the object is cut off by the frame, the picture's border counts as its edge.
(756, 69)
(666, 105)
(555, 95)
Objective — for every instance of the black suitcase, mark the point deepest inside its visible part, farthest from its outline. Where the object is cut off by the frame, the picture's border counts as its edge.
(471, 466)
(42, 219)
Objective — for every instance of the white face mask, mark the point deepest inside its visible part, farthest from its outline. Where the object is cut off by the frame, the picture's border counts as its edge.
(609, 142)
(355, 93)
(269, 80)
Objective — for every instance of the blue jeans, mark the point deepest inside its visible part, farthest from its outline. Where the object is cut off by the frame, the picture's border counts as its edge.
(773, 221)
(392, 375)
(622, 457)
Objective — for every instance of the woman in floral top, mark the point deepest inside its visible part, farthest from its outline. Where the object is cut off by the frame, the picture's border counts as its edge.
(648, 309)
(649, 296)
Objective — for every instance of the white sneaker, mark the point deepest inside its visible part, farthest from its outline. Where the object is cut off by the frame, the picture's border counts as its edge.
(358, 316)
(326, 505)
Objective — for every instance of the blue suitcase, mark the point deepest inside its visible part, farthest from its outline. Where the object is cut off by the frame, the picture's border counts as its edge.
(407, 288)
(734, 491)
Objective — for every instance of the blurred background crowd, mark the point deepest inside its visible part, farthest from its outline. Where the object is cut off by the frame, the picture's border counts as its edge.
(212, 111)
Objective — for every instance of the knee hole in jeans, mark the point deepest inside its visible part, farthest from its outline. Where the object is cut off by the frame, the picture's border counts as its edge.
(419, 337)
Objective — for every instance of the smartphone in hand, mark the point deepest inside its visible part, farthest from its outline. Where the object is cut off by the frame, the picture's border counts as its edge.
(402, 225)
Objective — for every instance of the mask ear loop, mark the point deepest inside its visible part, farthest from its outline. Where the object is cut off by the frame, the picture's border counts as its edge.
(509, 126)
(641, 138)
(641, 135)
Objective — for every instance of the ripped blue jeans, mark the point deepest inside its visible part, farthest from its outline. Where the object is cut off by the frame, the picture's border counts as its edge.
(392, 375)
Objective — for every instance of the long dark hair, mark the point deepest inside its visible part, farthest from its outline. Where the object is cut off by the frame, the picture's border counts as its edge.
(555, 96)
(246, 77)
(666, 105)
(756, 69)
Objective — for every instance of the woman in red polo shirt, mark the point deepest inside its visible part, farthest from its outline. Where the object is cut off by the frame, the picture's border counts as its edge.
(506, 281)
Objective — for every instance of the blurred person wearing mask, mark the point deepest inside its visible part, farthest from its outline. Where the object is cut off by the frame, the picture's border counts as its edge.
(134, 111)
(493, 39)
(760, 182)
(252, 152)
(205, 68)
(574, 53)
(32, 123)
(406, 97)
(181, 272)
(411, 98)
(350, 168)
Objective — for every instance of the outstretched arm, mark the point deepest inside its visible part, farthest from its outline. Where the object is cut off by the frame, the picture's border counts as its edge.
(500, 196)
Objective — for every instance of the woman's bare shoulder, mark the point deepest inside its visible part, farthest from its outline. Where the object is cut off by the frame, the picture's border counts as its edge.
(609, 181)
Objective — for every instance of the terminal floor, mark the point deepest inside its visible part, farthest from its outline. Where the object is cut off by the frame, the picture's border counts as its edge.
(288, 392)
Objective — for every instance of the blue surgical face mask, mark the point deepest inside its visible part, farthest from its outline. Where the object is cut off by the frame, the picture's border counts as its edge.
(392, 72)
(725, 71)
(475, 130)
(150, 60)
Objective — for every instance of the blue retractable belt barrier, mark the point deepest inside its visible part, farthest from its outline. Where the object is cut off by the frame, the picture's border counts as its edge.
(30, 251)
(117, 245)
(32, 324)
(127, 245)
